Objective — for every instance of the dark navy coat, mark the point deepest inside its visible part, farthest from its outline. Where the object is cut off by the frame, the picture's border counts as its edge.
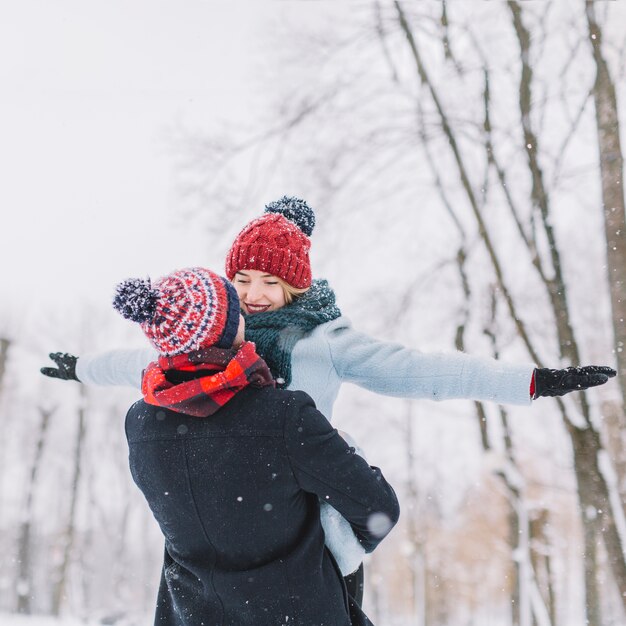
(237, 498)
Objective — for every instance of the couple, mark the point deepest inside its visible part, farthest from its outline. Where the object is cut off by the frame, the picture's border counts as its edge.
(237, 494)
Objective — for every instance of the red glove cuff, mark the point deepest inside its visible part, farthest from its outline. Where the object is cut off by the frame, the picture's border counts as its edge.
(532, 385)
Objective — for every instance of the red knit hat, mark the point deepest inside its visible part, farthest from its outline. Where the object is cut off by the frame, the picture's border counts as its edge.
(184, 311)
(276, 243)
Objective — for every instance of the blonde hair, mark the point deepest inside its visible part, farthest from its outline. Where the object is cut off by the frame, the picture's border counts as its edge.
(289, 291)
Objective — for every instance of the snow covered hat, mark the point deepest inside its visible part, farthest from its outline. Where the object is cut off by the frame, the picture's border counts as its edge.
(184, 311)
(277, 243)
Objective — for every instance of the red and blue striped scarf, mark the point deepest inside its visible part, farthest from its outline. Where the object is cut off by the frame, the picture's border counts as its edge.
(231, 371)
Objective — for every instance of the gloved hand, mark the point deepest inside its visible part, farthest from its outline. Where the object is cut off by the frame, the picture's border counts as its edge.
(66, 366)
(549, 382)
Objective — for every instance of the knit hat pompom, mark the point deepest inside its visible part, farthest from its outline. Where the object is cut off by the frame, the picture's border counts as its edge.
(187, 310)
(136, 300)
(295, 210)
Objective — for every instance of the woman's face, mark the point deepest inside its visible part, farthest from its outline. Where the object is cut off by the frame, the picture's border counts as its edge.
(258, 291)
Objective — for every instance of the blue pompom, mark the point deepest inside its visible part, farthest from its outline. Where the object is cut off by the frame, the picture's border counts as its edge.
(136, 300)
(296, 211)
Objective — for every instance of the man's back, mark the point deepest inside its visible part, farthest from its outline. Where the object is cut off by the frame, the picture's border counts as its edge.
(237, 498)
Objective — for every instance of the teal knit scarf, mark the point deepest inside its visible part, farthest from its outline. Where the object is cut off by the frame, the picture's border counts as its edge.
(275, 333)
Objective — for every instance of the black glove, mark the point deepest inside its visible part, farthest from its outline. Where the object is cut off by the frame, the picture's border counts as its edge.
(550, 382)
(66, 366)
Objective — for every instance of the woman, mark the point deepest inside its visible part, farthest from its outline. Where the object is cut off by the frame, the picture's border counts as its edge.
(309, 345)
(246, 547)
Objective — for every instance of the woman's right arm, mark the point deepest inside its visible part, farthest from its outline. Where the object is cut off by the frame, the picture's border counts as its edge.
(114, 368)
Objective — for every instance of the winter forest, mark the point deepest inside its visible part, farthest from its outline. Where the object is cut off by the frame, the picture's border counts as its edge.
(464, 160)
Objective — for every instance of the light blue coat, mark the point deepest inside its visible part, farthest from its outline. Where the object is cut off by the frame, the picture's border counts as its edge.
(334, 353)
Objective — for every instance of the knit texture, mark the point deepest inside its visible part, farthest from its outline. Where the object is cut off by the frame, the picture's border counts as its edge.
(275, 245)
(184, 311)
(295, 210)
(275, 333)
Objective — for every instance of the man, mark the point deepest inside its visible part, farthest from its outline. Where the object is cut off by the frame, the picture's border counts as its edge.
(234, 469)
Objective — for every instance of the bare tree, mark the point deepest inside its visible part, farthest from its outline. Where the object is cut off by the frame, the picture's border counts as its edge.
(612, 176)
(5, 344)
(24, 586)
(69, 535)
(417, 563)
(525, 597)
(593, 488)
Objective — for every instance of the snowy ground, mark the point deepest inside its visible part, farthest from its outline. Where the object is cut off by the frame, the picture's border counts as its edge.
(11, 619)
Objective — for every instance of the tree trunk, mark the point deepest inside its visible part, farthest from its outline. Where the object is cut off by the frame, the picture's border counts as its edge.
(611, 168)
(24, 582)
(516, 599)
(417, 565)
(59, 590)
(612, 419)
(540, 555)
(4, 351)
(586, 472)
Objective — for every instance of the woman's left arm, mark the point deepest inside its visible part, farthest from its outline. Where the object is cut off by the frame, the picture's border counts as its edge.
(395, 370)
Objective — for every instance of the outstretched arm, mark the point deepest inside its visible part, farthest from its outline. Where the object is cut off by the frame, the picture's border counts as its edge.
(114, 368)
(392, 369)
(395, 370)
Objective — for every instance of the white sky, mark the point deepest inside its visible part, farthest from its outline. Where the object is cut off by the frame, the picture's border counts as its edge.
(87, 93)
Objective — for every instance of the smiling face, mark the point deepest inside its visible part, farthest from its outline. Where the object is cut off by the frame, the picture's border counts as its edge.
(258, 291)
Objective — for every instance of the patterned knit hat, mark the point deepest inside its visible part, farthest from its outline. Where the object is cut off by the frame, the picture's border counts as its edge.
(277, 243)
(184, 311)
